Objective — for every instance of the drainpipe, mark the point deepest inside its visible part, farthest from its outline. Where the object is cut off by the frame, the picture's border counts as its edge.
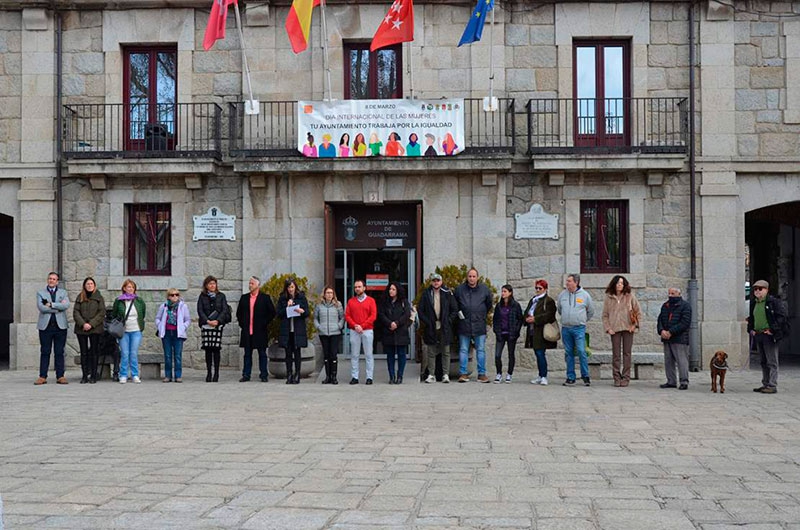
(59, 128)
(694, 334)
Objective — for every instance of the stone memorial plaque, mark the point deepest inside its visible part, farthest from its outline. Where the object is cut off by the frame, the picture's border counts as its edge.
(536, 224)
(214, 225)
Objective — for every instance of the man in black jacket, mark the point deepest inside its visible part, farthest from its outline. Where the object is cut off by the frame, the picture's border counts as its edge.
(437, 311)
(254, 313)
(673, 327)
(474, 303)
(767, 325)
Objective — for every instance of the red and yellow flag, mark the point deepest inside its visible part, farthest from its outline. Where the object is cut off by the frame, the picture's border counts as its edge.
(298, 23)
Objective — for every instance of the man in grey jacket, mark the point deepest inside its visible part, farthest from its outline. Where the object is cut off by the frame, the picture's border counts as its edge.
(474, 302)
(52, 303)
(576, 308)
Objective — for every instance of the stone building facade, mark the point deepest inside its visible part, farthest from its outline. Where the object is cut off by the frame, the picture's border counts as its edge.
(746, 190)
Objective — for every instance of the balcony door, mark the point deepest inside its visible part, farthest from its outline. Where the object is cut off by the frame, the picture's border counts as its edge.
(602, 93)
(150, 98)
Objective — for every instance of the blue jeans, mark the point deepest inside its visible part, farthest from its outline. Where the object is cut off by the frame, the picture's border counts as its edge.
(52, 339)
(400, 353)
(463, 353)
(173, 346)
(574, 339)
(247, 369)
(129, 347)
(541, 362)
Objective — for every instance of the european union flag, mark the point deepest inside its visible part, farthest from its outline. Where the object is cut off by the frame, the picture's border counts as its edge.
(474, 28)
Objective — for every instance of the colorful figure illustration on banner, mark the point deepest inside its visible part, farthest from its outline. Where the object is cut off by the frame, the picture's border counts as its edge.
(344, 146)
(393, 146)
(375, 144)
(327, 149)
(430, 140)
(413, 148)
(448, 145)
(359, 147)
(309, 149)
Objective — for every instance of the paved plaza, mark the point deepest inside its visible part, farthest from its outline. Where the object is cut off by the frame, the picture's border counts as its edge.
(258, 456)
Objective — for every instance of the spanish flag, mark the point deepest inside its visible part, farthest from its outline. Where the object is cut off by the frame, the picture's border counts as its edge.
(298, 23)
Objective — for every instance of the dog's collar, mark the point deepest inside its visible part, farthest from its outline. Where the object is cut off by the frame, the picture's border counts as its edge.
(723, 367)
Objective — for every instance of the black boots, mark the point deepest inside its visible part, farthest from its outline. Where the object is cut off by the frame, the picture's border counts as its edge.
(330, 372)
(212, 356)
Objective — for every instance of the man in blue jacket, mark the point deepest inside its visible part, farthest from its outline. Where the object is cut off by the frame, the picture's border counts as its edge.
(673, 328)
(52, 303)
(474, 302)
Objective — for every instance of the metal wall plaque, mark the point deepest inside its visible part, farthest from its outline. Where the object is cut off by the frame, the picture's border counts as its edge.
(536, 224)
(214, 225)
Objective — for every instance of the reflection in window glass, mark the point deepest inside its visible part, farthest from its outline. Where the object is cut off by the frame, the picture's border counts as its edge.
(586, 89)
(613, 88)
(166, 89)
(139, 90)
(373, 75)
(387, 74)
(604, 243)
(359, 73)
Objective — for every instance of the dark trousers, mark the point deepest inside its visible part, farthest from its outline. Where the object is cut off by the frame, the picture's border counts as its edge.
(400, 353)
(89, 346)
(212, 354)
(498, 354)
(330, 352)
(292, 356)
(52, 339)
(248, 361)
(768, 351)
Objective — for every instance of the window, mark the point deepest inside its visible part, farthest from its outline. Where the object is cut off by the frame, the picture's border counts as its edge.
(604, 236)
(150, 85)
(602, 93)
(373, 75)
(149, 239)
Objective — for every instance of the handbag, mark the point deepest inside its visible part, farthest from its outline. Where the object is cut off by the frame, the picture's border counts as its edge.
(116, 327)
(551, 332)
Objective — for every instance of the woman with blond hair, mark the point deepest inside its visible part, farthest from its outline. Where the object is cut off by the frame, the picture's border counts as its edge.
(129, 308)
(89, 314)
(329, 321)
(172, 323)
(620, 320)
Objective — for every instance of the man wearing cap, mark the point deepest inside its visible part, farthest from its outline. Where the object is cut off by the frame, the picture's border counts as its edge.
(767, 324)
(673, 328)
(437, 311)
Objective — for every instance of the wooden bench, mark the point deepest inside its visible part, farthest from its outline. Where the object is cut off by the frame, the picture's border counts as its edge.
(643, 364)
(149, 365)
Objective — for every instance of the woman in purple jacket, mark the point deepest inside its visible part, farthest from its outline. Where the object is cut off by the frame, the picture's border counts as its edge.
(172, 322)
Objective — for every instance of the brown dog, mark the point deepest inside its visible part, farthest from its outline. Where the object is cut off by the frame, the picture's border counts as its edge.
(719, 367)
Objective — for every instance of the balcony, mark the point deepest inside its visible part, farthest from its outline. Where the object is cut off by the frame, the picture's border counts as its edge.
(268, 141)
(608, 134)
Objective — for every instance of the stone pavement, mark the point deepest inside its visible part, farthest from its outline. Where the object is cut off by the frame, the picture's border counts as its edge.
(258, 456)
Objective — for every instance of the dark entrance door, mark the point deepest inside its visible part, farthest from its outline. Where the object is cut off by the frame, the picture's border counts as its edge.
(6, 288)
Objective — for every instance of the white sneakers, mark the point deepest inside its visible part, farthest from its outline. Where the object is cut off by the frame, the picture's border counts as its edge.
(508, 378)
(498, 378)
(431, 379)
(445, 378)
(123, 380)
(539, 381)
(136, 379)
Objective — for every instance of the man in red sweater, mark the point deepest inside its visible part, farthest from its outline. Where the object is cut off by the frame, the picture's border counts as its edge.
(360, 315)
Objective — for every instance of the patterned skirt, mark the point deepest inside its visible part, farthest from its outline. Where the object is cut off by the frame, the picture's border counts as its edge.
(211, 338)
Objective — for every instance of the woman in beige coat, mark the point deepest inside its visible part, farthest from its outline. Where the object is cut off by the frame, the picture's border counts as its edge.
(621, 314)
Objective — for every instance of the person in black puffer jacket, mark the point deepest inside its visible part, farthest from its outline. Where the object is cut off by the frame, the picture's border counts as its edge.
(394, 316)
(673, 327)
(213, 313)
(507, 324)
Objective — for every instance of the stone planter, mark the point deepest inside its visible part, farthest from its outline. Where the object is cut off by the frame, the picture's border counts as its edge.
(277, 361)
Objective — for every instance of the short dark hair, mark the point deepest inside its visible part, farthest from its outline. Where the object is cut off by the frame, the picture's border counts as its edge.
(359, 280)
(54, 273)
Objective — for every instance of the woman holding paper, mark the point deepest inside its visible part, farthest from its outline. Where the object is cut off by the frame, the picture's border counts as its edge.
(292, 311)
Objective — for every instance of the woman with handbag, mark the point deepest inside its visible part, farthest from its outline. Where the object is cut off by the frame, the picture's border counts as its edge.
(620, 320)
(541, 313)
(89, 315)
(131, 310)
(292, 336)
(213, 312)
(506, 323)
(172, 323)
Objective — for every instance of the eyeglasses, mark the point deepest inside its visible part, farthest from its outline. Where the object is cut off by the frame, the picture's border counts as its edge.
(540, 288)
(173, 294)
(436, 280)
(759, 288)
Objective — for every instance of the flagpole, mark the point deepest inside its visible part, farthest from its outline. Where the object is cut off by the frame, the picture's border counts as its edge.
(491, 56)
(411, 67)
(325, 52)
(244, 62)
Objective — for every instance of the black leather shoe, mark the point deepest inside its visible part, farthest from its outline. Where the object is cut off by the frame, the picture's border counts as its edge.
(369, 381)
(334, 381)
(208, 378)
(84, 380)
(399, 380)
(759, 389)
(354, 381)
(244, 379)
(392, 380)
(683, 386)
(667, 385)
(215, 378)
(92, 379)
(264, 379)
(296, 379)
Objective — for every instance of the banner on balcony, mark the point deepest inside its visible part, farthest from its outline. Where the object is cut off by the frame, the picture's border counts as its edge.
(380, 127)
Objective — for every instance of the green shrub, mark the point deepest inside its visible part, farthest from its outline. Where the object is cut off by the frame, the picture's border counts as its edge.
(274, 287)
(452, 277)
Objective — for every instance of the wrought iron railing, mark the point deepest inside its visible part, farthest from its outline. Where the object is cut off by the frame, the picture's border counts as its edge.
(643, 125)
(142, 130)
(273, 131)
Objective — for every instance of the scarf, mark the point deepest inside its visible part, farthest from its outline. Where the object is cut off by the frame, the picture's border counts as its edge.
(125, 297)
(172, 313)
(535, 300)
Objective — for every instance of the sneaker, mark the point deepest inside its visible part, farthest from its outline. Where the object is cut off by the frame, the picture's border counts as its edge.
(445, 378)
(136, 379)
(463, 378)
(543, 381)
(508, 378)
(537, 381)
(369, 381)
(497, 379)
(43, 381)
(569, 382)
(483, 378)
(586, 381)
(123, 380)
(431, 379)
(769, 390)
(354, 381)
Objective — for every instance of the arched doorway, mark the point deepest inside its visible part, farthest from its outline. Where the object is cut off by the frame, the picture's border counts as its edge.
(772, 239)
(6, 288)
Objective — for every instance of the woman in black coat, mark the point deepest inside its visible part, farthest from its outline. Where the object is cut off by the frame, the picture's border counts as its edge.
(255, 328)
(213, 313)
(541, 310)
(394, 316)
(506, 323)
(293, 330)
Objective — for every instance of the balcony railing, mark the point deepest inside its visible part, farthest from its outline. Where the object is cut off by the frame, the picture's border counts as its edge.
(118, 130)
(273, 131)
(623, 125)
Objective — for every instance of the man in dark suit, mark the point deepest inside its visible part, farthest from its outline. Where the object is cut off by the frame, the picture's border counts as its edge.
(254, 313)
